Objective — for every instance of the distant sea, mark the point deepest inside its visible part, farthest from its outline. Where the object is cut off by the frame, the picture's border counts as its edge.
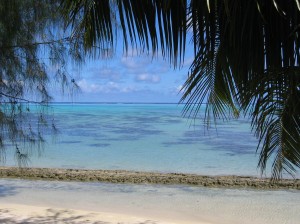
(145, 137)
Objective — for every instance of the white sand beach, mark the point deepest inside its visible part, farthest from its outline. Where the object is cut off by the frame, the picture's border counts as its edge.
(18, 213)
(25, 201)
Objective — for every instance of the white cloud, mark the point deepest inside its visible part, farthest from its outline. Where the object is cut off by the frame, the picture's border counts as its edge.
(176, 90)
(145, 63)
(129, 63)
(179, 88)
(110, 87)
(89, 88)
(111, 74)
(145, 77)
(128, 89)
(136, 62)
(132, 63)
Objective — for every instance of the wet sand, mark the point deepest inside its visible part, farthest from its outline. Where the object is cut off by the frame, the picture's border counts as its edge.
(121, 176)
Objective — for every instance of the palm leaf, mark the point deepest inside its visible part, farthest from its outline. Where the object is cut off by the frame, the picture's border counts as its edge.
(246, 58)
(274, 106)
(139, 21)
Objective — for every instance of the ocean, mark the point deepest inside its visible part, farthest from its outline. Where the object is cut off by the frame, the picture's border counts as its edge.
(145, 137)
(148, 137)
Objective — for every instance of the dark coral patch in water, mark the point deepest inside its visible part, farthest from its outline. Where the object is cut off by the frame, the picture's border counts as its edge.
(99, 145)
(70, 142)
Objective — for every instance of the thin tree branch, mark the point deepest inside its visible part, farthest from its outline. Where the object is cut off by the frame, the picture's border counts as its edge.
(65, 39)
(19, 98)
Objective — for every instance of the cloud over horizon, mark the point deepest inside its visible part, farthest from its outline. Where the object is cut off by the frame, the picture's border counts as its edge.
(145, 77)
(109, 87)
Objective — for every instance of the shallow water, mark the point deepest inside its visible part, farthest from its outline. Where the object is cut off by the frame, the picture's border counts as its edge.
(145, 137)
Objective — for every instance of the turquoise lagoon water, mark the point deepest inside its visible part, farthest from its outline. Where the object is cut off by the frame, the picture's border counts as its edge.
(145, 137)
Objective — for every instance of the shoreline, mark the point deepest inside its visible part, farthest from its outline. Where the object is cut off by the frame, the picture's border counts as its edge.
(135, 177)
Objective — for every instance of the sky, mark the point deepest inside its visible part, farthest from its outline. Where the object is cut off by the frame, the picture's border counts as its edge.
(133, 78)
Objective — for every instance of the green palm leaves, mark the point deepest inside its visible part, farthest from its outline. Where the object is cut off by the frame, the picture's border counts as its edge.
(246, 58)
(147, 25)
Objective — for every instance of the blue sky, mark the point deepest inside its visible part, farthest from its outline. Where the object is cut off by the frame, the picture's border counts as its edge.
(132, 78)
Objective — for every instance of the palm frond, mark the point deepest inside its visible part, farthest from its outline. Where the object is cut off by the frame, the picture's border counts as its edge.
(246, 58)
(273, 102)
(139, 21)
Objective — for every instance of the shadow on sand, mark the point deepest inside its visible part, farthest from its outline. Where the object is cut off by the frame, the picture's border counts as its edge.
(56, 216)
